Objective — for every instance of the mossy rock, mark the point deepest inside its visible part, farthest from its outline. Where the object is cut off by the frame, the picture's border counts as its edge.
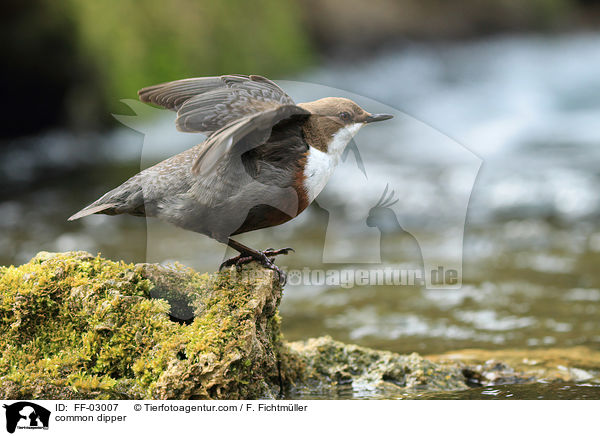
(73, 325)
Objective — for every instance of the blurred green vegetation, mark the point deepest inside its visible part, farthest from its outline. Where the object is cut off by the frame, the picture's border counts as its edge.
(136, 44)
(69, 63)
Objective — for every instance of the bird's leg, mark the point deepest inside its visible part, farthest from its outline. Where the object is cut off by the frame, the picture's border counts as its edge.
(247, 254)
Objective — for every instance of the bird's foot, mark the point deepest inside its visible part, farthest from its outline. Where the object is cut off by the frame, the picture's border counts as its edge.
(265, 258)
(267, 262)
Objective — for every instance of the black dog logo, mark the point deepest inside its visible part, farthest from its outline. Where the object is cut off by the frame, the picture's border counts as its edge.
(26, 415)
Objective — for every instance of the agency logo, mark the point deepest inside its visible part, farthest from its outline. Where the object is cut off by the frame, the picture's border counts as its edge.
(26, 415)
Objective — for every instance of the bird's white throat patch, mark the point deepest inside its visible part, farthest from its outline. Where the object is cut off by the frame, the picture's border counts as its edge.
(320, 166)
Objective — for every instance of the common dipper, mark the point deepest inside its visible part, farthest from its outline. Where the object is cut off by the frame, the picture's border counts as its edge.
(264, 161)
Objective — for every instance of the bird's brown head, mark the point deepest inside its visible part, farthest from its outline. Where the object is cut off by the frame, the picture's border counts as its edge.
(333, 116)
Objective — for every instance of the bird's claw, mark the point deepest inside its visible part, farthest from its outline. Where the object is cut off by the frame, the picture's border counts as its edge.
(270, 252)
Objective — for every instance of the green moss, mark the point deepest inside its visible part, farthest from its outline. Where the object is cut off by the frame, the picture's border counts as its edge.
(87, 327)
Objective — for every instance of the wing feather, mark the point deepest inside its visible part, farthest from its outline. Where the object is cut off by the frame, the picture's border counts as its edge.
(207, 104)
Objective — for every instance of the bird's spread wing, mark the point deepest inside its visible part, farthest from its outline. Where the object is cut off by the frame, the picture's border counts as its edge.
(207, 104)
(242, 135)
(237, 112)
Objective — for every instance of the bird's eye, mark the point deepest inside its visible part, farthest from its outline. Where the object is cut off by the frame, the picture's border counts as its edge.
(344, 116)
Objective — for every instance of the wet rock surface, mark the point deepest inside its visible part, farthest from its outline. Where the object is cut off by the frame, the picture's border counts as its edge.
(334, 369)
(77, 326)
(501, 367)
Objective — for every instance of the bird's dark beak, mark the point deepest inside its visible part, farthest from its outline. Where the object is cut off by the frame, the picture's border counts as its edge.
(378, 117)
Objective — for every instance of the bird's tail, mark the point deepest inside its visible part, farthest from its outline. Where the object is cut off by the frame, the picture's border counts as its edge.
(92, 209)
(127, 198)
